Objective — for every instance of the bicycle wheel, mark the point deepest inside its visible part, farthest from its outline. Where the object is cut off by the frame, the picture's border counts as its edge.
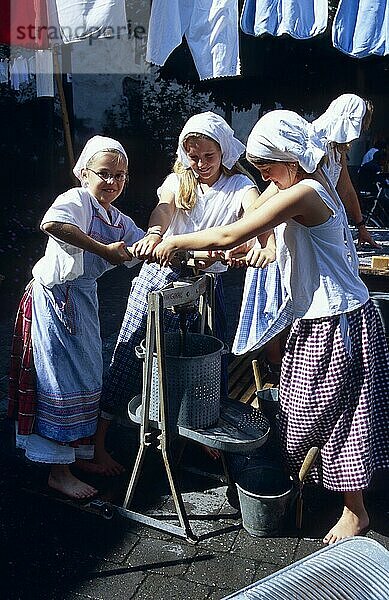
(372, 221)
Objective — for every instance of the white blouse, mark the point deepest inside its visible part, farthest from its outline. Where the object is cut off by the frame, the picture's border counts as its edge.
(64, 262)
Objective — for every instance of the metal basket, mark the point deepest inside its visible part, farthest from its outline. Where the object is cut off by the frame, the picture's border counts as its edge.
(192, 381)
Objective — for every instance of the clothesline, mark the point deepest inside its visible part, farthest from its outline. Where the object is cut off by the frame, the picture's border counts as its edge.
(211, 27)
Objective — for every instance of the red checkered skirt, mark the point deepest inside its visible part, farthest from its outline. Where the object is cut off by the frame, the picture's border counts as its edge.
(337, 398)
(22, 387)
(22, 383)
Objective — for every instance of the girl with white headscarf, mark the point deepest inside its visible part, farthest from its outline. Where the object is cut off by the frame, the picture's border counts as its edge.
(335, 371)
(207, 188)
(343, 122)
(56, 364)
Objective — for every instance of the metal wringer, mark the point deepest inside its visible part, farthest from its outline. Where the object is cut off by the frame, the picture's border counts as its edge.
(181, 393)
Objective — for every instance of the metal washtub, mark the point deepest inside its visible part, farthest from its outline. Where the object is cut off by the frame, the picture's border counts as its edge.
(193, 380)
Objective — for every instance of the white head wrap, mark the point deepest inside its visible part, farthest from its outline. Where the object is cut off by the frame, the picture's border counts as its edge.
(282, 135)
(98, 143)
(342, 121)
(215, 127)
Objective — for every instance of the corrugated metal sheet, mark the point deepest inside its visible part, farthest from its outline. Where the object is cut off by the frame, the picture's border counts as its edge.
(353, 569)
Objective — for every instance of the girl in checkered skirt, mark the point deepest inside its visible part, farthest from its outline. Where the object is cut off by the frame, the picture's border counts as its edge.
(334, 387)
(207, 188)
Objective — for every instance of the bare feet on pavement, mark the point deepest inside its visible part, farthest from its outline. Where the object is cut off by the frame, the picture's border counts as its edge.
(62, 480)
(349, 524)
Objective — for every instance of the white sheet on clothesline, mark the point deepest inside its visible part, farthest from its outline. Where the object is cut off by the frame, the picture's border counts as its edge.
(362, 28)
(302, 19)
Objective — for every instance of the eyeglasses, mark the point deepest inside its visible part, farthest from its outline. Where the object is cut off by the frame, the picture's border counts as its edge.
(106, 176)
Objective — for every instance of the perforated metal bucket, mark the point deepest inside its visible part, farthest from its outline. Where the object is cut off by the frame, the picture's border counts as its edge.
(193, 381)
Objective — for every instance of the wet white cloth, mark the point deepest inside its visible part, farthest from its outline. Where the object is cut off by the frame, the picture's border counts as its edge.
(84, 18)
(97, 143)
(215, 127)
(361, 28)
(282, 135)
(302, 19)
(342, 121)
(65, 262)
(210, 28)
(44, 73)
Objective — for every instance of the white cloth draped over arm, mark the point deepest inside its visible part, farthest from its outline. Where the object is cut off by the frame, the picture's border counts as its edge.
(362, 28)
(301, 19)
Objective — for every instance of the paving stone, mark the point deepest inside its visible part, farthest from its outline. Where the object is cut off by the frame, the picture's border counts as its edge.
(279, 551)
(306, 547)
(172, 558)
(223, 571)
(110, 585)
(220, 594)
(265, 569)
(223, 541)
(157, 587)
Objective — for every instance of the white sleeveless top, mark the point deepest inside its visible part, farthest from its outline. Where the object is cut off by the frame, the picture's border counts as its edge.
(319, 265)
(220, 205)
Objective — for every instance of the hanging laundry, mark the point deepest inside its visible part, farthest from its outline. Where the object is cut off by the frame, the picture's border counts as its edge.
(210, 28)
(44, 73)
(301, 19)
(18, 72)
(24, 23)
(362, 28)
(89, 18)
(4, 70)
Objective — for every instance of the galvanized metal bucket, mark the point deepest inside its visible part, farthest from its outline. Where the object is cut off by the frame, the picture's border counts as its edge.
(265, 493)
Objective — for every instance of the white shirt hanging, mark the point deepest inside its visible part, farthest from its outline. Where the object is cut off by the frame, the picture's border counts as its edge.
(301, 19)
(210, 28)
(81, 19)
(361, 28)
(44, 73)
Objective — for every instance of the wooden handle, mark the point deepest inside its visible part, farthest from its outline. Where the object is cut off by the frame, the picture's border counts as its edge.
(203, 255)
(308, 463)
(299, 511)
(257, 374)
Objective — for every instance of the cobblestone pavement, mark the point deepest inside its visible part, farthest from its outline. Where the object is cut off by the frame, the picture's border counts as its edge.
(50, 550)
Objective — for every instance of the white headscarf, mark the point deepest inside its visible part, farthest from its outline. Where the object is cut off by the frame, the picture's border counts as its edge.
(342, 121)
(215, 127)
(282, 135)
(98, 143)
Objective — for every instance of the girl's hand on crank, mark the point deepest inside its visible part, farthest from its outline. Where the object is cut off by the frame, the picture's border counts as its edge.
(260, 257)
(164, 252)
(143, 249)
(236, 257)
(116, 253)
(364, 238)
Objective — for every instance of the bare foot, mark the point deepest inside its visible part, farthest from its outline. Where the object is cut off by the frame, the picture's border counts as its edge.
(109, 467)
(89, 466)
(349, 524)
(62, 480)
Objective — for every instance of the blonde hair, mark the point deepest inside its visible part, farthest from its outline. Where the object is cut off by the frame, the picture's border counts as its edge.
(119, 156)
(187, 188)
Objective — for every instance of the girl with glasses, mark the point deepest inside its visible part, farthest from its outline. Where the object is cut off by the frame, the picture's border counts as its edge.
(56, 365)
